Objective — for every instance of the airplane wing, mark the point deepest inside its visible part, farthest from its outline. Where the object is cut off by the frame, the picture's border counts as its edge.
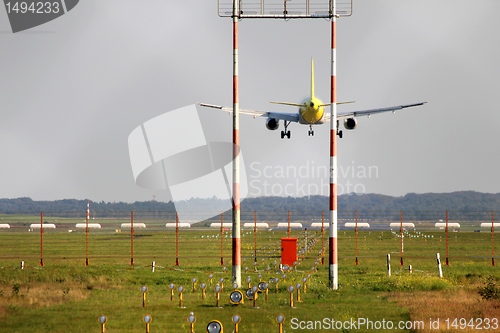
(256, 113)
(368, 113)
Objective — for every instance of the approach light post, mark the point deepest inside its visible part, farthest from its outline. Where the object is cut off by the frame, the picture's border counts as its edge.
(171, 286)
(191, 320)
(276, 281)
(221, 281)
(290, 290)
(144, 290)
(236, 320)
(103, 319)
(193, 281)
(217, 289)
(280, 319)
(295, 9)
(203, 290)
(255, 290)
(180, 289)
(298, 293)
(263, 286)
(147, 319)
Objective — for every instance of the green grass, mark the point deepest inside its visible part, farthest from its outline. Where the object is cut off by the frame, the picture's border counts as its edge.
(75, 295)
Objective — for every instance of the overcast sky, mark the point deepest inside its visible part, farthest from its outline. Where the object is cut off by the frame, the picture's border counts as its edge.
(72, 90)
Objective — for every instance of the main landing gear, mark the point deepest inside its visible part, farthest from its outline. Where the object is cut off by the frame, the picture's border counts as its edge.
(286, 132)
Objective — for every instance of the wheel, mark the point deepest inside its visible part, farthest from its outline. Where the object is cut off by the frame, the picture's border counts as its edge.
(340, 134)
(288, 134)
(282, 134)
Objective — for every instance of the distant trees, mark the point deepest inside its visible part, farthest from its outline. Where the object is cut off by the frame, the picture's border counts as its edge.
(429, 206)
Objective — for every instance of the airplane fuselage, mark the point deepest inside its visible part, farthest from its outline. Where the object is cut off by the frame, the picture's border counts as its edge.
(311, 111)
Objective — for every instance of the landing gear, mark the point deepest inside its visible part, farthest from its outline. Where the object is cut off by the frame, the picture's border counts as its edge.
(311, 131)
(339, 133)
(286, 132)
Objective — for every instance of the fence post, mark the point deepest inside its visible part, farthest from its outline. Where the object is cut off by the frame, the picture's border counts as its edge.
(176, 239)
(401, 238)
(388, 264)
(87, 216)
(356, 232)
(131, 238)
(221, 239)
(492, 238)
(438, 258)
(255, 235)
(288, 230)
(41, 239)
(446, 229)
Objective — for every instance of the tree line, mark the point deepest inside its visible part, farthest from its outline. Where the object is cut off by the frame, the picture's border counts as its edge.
(466, 205)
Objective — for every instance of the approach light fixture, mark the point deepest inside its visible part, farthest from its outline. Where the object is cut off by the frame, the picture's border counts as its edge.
(236, 297)
(249, 293)
(215, 326)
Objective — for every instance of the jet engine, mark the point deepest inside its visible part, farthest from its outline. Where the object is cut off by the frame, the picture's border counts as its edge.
(350, 123)
(272, 124)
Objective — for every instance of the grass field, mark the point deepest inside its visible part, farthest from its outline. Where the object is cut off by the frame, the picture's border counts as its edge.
(66, 296)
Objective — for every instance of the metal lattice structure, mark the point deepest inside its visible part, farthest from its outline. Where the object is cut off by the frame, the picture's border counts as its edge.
(285, 9)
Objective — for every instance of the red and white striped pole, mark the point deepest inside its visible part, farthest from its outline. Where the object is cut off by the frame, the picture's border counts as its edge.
(236, 257)
(333, 279)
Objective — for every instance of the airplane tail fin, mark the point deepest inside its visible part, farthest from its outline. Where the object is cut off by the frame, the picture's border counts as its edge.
(312, 78)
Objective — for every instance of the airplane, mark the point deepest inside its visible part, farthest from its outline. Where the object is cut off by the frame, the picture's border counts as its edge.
(311, 112)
